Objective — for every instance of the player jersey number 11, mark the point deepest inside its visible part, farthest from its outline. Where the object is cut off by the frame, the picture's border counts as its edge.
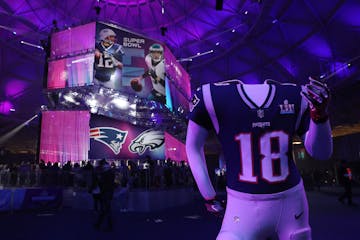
(267, 157)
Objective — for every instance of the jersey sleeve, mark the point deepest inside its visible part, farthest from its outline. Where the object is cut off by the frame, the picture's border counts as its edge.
(198, 112)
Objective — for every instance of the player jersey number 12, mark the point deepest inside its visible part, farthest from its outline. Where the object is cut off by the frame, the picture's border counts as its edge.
(267, 157)
(105, 61)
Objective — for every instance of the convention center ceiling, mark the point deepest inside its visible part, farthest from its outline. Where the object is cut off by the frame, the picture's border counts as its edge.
(251, 40)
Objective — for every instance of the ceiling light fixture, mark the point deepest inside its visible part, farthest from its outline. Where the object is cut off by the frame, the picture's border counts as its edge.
(163, 31)
(185, 60)
(97, 10)
(8, 29)
(162, 7)
(219, 5)
(55, 27)
(189, 59)
(32, 45)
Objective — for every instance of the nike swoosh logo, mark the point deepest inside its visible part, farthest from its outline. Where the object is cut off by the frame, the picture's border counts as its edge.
(216, 208)
(297, 216)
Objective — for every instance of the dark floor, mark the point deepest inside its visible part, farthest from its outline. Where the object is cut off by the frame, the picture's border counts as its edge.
(329, 220)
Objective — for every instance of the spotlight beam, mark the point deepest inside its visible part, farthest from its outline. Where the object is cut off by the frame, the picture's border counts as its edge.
(32, 45)
(326, 76)
(13, 132)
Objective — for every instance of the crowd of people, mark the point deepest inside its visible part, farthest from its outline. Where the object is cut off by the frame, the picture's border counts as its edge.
(138, 174)
(103, 179)
(316, 179)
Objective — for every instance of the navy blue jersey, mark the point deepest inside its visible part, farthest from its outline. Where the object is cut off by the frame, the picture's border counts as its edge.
(256, 140)
(105, 65)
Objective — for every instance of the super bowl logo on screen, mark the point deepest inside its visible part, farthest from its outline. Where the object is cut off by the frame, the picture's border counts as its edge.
(111, 137)
(150, 139)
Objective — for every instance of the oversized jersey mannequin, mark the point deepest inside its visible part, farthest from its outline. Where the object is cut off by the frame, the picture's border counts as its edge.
(108, 60)
(255, 125)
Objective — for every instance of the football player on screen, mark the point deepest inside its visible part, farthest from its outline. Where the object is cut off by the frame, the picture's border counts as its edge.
(156, 71)
(255, 124)
(108, 60)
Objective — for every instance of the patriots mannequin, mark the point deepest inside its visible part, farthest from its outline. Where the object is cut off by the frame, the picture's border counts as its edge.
(156, 71)
(255, 124)
(108, 59)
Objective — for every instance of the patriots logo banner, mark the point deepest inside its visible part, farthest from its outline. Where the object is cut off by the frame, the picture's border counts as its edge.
(111, 137)
(150, 139)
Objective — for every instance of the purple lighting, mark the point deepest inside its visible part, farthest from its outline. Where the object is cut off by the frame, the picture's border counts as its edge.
(288, 65)
(14, 88)
(349, 14)
(5, 107)
(318, 46)
(250, 78)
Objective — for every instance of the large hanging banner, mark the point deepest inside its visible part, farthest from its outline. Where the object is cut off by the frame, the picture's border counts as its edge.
(129, 62)
(106, 55)
(71, 61)
(115, 139)
(179, 83)
(73, 41)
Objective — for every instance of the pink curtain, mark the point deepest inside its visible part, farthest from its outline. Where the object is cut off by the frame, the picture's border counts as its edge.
(64, 136)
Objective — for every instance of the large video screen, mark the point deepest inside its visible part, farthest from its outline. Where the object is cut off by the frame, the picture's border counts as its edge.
(107, 55)
(73, 41)
(71, 72)
(64, 136)
(129, 62)
(115, 139)
(179, 82)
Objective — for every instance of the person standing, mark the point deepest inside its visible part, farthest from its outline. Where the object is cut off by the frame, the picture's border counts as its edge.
(345, 179)
(105, 178)
(94, 190)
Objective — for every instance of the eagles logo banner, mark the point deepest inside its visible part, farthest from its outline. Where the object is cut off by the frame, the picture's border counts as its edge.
(115, 139)
(150, 139)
